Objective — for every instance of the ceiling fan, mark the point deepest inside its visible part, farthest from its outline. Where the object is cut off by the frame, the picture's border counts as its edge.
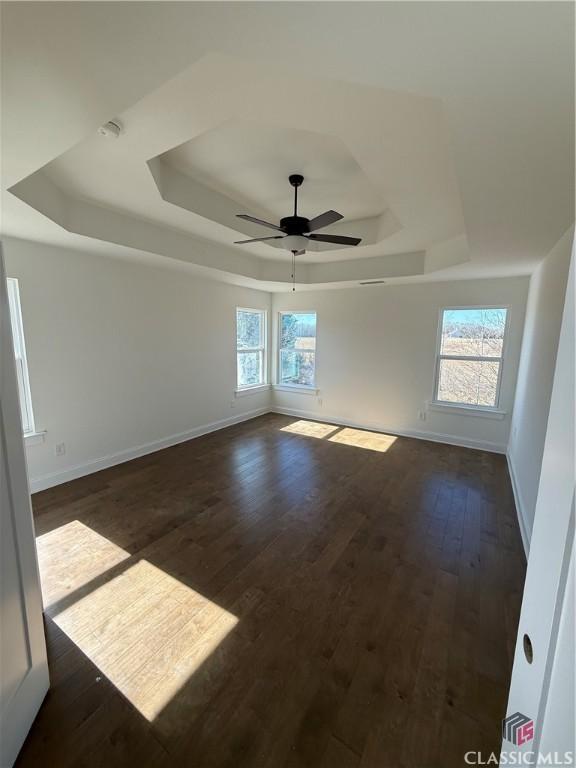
(296, 230)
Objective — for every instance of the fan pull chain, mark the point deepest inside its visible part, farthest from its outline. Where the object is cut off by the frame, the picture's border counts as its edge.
(293, 270)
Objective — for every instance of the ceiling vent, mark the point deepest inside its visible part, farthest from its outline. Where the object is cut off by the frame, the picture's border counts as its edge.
(372, 282)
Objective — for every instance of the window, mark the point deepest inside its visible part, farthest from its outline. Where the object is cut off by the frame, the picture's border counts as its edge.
(297, 349)
(250, 348)
(469, 358)
(20, 354)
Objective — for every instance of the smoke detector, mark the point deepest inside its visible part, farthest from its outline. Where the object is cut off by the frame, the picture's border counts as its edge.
(111, 130)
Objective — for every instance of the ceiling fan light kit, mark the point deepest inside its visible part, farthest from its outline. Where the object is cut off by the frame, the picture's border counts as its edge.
(296, 243)
(297, 230)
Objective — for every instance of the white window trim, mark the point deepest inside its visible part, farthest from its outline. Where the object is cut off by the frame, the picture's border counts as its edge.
(487, 412)
(296, 388)
(304, 388)
(263, 348)
(34, 438)
(476, 410)
(252, 390)
(21, 361)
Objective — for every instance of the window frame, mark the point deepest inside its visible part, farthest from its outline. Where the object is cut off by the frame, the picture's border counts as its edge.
(262, 349)
(21, 360)
(474, 358)
(280, 384)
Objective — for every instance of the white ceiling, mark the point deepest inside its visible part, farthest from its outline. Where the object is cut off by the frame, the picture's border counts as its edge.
(442, 131)
(251, 162)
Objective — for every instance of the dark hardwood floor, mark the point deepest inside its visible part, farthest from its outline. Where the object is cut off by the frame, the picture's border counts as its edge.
(279, 594)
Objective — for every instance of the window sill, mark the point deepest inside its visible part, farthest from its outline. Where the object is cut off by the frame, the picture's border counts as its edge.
(251, 390)
(467, 410)
(34, 438)
(296, 388)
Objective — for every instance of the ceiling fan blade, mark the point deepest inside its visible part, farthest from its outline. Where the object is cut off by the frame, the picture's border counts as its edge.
(329, 217)
(259, 239)
(337, 239)
(258, 221)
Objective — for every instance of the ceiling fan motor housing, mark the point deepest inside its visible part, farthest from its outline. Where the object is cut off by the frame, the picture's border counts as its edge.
(294, 225)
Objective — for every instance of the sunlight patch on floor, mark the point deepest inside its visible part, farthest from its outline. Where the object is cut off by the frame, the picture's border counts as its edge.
(310, 428)
(361, 438)
(145, 630)
(71, 556)
(357, 438)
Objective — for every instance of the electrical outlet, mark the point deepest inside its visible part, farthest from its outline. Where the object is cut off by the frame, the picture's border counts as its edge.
(422, 415)
(320, 401)
(60, 449)
(232, 403)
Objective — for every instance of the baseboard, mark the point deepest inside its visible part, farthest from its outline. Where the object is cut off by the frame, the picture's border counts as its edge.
(520, 507)
(435, 437)
(42, 482)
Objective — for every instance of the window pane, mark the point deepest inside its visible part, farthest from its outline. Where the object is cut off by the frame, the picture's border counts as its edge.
(24, 405)
(250, 369)
(249, 330)
(297, 367)
(473, 382)
(298, 331)
(19, 350)
(475, 332)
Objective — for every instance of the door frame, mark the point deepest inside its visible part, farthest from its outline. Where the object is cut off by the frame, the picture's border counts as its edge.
(18, 712)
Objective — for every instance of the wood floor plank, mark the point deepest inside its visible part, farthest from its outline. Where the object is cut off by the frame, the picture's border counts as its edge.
(338, 755)
(279, 594)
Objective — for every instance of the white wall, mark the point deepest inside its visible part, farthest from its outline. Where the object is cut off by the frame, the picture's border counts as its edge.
(376, 349)
(127, 356)
(535, 377)
(122, 354)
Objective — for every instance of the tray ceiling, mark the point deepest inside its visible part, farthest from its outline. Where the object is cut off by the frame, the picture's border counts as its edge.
(441, 131)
